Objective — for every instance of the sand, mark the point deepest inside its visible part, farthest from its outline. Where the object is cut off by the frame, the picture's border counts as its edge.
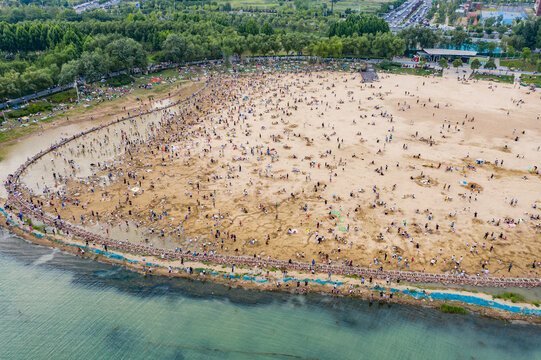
(320, 167)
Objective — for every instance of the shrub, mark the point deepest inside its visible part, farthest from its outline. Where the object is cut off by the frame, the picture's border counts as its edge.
(510, 296)
(450, 309)
(119, 80)
(39, 106)
(388, 65)
(63, 97)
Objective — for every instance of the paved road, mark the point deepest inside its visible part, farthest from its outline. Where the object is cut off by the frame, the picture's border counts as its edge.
(501, 70)
(404, 61)
(56, 89)
(410, 13)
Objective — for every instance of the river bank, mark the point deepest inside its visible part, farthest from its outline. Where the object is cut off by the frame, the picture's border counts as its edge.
(272, 280)
(58, 305)
(270, 274)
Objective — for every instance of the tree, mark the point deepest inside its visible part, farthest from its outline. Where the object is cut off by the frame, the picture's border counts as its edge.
(35, 79)
(10, 85)
(422, 60)
(501, 30)
(355, 24)
(322, 49)
(419, 37)
(93, 65)
(289, 41)
(526, 54)
(475, 64)
(490, 64)
(72, 38)
(443, 63)
(387, 45)
(249, 28)
(174, 48)
(252, 42)
(274, 43)
(459, 38)
(482, 46)
(126, 54)
(491, 47)
(335, 47)
(457, 63)
(69, 72)
(266, 29)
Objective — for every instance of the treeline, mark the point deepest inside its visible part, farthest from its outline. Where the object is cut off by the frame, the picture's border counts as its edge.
(519, 44)
(357, 25)
(102, 54)
(527, 34)
(35, 36)
(151, 28)
(39, 55)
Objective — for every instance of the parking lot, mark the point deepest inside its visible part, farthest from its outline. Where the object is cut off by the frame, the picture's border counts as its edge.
(411, 13)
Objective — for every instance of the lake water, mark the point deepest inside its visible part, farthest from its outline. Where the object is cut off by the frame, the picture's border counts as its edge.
(58, 306)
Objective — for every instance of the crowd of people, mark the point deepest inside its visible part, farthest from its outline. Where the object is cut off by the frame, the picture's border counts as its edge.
(299, 169)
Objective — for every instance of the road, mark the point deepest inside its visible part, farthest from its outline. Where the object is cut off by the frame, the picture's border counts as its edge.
(152, 68)
(466, 69)
(410, 13)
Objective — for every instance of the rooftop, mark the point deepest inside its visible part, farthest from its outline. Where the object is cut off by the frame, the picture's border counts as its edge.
(449, 52)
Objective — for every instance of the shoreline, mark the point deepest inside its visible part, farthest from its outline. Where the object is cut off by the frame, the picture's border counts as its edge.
(405, 293)
(211, 266)
(13, 184)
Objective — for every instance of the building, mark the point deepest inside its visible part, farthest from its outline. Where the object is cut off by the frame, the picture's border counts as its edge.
(436, 54)
(537, 8)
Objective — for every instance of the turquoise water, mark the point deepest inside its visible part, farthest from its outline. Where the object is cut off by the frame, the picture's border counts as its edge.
(58, 306)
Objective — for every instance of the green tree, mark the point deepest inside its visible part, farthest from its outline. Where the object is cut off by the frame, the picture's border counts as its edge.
(72, 38)
(443, 63)
(526, 54)
(335, 47)
(459, 38)
(174, 48)
(387, 45)
(491, 47)
(249, 28)
(126, 54)
(69, 72)
(253, 44)
(289, 41)
(475, 64)
(482, 46)
(490, 64)
(355, 24)
(457, 63)
(266, 29)
(10, 85)
(92, 65)
(227, 7)
(35, 79)
(419, 37)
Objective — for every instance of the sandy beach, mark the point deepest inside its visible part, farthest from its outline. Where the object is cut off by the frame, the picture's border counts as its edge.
(407, 173)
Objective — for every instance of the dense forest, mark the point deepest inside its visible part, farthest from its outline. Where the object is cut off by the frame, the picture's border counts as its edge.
(42, 46)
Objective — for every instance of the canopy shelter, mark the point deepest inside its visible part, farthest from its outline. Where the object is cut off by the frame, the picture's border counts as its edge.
(449, 54)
